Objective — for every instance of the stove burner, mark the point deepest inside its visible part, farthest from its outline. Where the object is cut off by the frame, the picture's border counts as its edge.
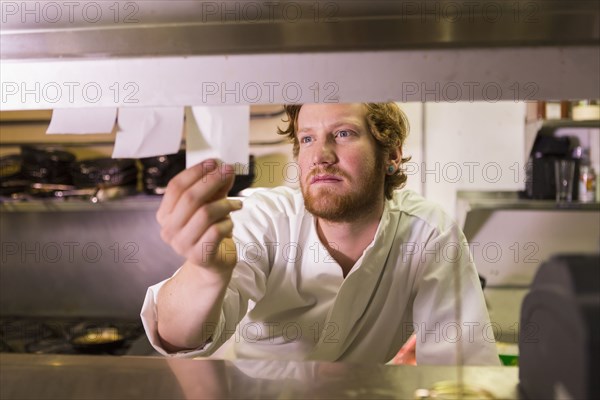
(50, 346)
(60, 336)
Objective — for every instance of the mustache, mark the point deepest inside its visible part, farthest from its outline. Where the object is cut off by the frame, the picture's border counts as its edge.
(327, 171)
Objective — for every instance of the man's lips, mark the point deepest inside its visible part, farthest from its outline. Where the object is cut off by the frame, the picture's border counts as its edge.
(325, 178)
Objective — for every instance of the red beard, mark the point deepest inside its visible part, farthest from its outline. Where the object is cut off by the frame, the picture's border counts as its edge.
(328, 203)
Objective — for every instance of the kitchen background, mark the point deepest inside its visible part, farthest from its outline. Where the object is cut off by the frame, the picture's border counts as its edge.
(70, 265)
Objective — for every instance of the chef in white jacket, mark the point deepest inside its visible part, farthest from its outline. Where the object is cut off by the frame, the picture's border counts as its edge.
(345, 268)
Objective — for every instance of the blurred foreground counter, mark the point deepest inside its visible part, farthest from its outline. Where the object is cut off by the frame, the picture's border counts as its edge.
(109, 377)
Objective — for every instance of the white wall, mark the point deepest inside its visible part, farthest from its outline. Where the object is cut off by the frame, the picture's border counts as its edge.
(471, 146)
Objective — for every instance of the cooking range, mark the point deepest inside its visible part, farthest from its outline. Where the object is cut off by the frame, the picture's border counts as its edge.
(80, 246)
(73, 275)
(72, 336)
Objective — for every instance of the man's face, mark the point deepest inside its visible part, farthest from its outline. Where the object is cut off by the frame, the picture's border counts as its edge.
(341, 174)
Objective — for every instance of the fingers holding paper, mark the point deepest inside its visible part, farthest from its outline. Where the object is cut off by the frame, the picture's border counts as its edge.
(194, 214)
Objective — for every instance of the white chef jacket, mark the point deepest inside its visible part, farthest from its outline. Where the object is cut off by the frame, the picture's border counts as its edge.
(288, 299)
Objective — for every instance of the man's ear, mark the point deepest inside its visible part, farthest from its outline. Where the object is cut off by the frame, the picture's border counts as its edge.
(394, 158)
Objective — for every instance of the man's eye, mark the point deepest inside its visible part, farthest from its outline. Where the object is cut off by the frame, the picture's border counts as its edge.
(343, 134)
(305, 139)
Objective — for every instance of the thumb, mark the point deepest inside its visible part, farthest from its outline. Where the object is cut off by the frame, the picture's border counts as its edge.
(227, 172)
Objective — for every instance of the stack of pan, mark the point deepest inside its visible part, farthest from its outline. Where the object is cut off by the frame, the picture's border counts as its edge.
(158, 171)
(53, 173)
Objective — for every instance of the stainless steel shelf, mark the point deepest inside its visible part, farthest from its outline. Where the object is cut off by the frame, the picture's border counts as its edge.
(138, 202)
(178, 28)
(494, 200)
(474, 208)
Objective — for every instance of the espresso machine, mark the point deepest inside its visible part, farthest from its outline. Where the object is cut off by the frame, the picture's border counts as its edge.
(547, 148)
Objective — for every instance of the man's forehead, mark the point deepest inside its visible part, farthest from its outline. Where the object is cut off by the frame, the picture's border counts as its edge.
(313, 115)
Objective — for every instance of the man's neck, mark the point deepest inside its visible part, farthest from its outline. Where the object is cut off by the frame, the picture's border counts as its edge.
(346, 241)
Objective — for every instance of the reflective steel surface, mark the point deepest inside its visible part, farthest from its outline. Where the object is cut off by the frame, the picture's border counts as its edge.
(79, 259)
(76, 377)
(159, 28)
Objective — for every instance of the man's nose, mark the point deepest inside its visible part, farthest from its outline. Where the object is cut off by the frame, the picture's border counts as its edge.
(324, 154)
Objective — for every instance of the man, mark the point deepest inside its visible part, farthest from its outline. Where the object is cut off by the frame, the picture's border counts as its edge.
(344, 269)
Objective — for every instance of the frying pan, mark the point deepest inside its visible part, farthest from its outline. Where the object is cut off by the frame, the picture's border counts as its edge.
(98, 340)
(104, 172)
(158, 171)
(82, 338)
(46, 165)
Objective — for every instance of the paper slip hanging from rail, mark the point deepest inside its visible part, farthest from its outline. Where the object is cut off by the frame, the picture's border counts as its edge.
(217, 132)
(148, 132)
(82, 120)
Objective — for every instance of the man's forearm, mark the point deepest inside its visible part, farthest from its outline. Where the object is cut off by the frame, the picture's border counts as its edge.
(189, 306)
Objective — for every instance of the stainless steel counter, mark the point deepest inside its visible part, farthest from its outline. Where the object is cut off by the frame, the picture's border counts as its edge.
(78, 377)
